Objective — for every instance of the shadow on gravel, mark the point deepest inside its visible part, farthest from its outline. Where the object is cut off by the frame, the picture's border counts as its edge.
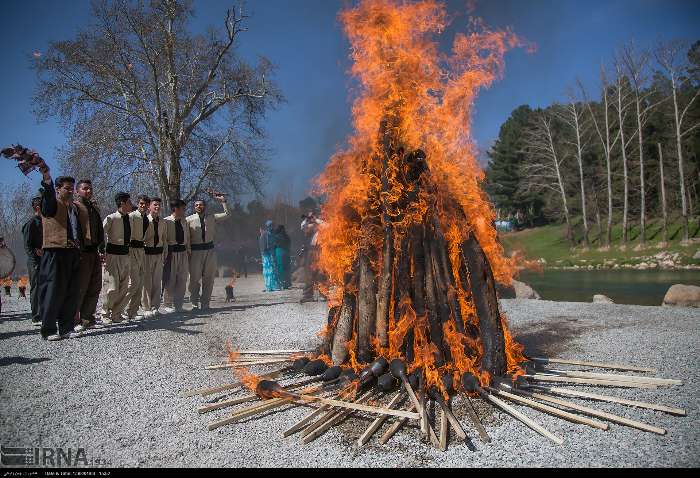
(5, 361)
(551, 340)
(11, 317)
(172, 323)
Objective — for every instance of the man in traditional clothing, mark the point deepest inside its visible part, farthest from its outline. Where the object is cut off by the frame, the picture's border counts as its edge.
(32, 234)
(309, 226)
(137, 256)
(203, 259)
(177, 261)
(65, 228)
(91, 258)
(117, 228)
(155, 254)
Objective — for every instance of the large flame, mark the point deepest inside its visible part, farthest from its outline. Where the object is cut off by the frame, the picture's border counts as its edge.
(401, 71)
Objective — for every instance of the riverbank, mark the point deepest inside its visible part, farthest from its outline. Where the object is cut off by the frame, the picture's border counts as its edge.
(548, 247)
(115, 392)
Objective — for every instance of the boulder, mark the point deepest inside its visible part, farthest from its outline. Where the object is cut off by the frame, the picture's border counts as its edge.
(683, 295)
(697, 255)
(602, 299)
(524, 291)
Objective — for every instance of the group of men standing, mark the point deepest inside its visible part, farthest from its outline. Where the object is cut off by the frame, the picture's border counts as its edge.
(67, 242)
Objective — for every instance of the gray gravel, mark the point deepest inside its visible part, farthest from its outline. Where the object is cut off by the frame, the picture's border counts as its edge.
(115, 391)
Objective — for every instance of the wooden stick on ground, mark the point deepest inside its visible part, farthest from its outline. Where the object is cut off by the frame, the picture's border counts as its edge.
(305, 421)
(335, 419)
(244, 364)
(395, 427)
(589, 381)
(454, 423)
(356, 406)
(523, 418)
(229, 386)
(272, 352)
(621, 378)
(364, 438)
(622, 401)
(483, 435)
(443, 428)
(611, 366)
(597, 413)
(551, 410)
(246, 398)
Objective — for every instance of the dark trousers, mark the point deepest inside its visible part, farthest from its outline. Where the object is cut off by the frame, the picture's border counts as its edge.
(33, 269)
(90, 285)
(58, 290)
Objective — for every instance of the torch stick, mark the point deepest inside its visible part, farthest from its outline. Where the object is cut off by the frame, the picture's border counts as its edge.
(620, 378)
(337, 418)
(612, 366)
(551, 410)
(364, 438)
(230, 386)
(443, 428)
(521, 417)
(596, 413)
(622, 401)
(306, 420)
(245, 364)
(395, 427)
(456, 426)
(245, 398)
(398, 370)
(589, 381)
(483, 435)
(272, 352)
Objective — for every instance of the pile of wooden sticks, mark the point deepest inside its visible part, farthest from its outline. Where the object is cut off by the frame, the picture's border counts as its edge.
(335, 395)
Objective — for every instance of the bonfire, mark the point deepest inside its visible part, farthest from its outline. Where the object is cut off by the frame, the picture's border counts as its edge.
(412, 258)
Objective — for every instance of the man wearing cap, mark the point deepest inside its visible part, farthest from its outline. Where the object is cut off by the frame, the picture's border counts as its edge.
(117, 228)
(177, 261)
(137, 256)
(155, 255)
(203, 259)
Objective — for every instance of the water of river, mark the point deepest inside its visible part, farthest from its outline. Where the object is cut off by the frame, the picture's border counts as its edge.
(623, 287)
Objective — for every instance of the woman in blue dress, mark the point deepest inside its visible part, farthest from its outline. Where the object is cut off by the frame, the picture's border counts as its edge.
(282, 259)
(267, 251)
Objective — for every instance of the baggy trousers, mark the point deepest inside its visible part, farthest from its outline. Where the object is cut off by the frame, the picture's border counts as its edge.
(90, 279)
(152, 280)
(33, 270)
(202, 270)
(58, 290)
(137, 256)
(117, 268)
(177, 281)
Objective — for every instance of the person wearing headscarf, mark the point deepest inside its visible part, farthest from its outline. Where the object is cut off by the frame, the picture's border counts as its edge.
(267, 252)
(282, 259)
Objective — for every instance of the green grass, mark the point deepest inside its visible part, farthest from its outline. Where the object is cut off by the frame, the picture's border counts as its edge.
(550, 244)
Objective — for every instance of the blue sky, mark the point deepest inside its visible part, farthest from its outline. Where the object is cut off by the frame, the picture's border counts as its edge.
(304, 40)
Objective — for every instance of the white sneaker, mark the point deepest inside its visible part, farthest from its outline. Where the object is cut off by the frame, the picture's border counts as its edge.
(155, 313)
(79, 328)
(73, 335)
(105, 322)
(147, 315)
(167, 310)
(55, 337)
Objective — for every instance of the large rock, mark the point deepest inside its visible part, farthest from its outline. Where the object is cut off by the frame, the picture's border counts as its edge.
(602, 299)
(697, 255)
(524, 291)
(683, 295)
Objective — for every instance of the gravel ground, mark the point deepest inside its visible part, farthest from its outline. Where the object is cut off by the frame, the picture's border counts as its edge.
(115, 392)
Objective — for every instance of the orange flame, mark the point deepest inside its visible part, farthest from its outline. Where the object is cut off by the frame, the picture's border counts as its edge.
(425, 97)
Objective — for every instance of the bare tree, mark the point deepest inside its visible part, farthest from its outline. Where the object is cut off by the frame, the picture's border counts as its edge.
(671, 57)
(622, 105)
(542, 168)
(637, 63)
(143, 96)
(573, 115)
(606, 142)
(664, 211)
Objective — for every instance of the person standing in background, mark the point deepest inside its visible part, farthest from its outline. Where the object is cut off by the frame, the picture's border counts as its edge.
(267, 253)
(155, 254)
(309, 226)
(203, 263)
(91, 259)
(282, 258)
(33, 237)
(65, 228)
(177, 261)
(117, 228)
(137, 259)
